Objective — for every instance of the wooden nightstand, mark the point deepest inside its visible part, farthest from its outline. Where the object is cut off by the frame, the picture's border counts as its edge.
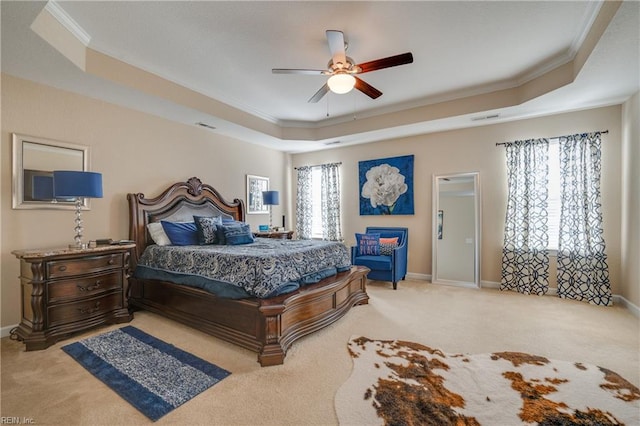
(280, 235)
(65, 291)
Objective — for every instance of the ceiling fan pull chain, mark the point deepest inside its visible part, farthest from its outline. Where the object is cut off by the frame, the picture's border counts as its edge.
(355, 106)
(328, 106)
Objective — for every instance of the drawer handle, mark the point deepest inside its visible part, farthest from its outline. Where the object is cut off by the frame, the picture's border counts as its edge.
(111, 261)
(62, 268)
(91, 287)
(90, 310)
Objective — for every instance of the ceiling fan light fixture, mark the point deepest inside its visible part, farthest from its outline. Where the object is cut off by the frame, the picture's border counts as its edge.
(341, 83)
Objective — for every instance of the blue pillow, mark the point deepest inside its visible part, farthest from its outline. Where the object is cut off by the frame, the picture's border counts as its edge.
(181, 233)
(207, 228)
(237, 234)
(226, 222)
(368, 244)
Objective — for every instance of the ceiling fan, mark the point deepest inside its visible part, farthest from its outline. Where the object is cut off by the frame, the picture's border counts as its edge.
(342, 69)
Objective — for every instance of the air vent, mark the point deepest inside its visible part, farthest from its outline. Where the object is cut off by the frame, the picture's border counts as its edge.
(485, 117)
(208, 126)
(332, 143)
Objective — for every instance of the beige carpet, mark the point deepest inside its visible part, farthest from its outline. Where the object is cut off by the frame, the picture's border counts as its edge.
(399, 382)
(51, 388)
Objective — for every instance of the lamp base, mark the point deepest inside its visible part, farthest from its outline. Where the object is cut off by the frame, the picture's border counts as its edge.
(78, 245)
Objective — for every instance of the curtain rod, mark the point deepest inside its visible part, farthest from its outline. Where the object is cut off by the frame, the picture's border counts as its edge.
(318, 165)
(553, 137)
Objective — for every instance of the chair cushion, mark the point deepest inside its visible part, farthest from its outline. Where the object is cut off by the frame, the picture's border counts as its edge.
(378, 263)
(368, 244)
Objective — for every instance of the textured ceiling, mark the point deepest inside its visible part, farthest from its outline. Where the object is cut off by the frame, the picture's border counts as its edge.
(226, 50)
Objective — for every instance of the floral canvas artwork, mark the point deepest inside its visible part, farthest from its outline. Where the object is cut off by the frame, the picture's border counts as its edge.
(386, 186)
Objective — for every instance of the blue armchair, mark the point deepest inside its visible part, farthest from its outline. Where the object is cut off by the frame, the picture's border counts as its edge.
(383, 267)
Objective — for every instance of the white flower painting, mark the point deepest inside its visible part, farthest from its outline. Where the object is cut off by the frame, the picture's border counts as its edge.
(386, 186)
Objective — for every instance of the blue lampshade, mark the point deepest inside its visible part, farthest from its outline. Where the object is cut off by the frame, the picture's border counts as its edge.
(270, 198)
(77, 184)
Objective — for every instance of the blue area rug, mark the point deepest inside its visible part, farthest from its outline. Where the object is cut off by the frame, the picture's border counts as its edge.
(153, 376)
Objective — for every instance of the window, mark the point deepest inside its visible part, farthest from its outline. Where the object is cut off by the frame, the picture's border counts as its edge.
(318, 202)
(554, 205)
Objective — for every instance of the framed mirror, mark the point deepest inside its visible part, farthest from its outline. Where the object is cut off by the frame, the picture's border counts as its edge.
(456, 229)
(34, 160)
(255, 186)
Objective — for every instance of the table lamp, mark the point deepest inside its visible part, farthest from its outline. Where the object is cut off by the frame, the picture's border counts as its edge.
(270, 198)
(78, 185)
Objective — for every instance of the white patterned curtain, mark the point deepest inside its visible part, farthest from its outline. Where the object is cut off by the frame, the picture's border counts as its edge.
(304, 203)
(525, 257)
(582, 263)
(331, 228)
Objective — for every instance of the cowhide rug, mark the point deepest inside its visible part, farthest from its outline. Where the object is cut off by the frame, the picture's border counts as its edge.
(403, 383)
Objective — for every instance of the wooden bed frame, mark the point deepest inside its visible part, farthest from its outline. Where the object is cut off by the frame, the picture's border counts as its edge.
(267, 326)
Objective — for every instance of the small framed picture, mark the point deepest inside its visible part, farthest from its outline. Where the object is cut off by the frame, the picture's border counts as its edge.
(440, 223)
(255, 186)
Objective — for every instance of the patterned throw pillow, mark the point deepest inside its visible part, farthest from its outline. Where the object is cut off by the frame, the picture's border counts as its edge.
(368, 244)
(387, 245)
(207, 229)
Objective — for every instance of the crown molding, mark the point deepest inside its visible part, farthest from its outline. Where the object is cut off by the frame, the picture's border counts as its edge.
(67, 21)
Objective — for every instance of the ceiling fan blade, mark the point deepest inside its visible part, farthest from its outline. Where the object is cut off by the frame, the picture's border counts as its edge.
(319, 94)
(391, 61)
(367, 89)
(336, 46)
(297, 71)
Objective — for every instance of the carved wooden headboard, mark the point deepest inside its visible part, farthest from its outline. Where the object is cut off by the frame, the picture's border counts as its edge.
(179, 202)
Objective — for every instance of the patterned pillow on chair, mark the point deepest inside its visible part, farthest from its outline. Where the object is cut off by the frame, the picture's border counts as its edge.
(387, 245)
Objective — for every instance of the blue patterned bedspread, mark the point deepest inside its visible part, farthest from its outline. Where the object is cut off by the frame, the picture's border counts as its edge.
(265, 268)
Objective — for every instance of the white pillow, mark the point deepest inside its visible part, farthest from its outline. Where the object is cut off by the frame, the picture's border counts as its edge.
(158, 235)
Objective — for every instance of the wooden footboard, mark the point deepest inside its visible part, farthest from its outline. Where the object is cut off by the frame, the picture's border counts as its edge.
(266, 326)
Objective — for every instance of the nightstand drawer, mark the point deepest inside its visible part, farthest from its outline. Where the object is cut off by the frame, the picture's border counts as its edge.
(85, 287)
(85, 265)
(70, 312)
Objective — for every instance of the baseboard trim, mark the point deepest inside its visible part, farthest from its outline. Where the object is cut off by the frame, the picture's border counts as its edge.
(490, 284)
(416, 276)
(617, 299)
(4, 331)
(496, 285)
(620, 300)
